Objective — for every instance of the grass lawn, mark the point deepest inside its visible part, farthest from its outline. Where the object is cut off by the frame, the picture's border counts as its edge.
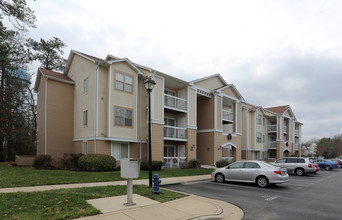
(28, 176)
(68, 203)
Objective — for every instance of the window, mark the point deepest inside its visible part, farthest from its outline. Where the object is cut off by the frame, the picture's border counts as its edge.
(85, 147)
(123, 117)
(263, 138)
(85, 86)
(259, 119)
(272, 154)
(263, 122)
(300, 160)
(120, 150)
(282, 160)
(291, 160)
(237, 165)
(255, 155)
(169, 151)
(258, 137)
(262, 155)
(124, 82)
(85, 117)
(251, 165)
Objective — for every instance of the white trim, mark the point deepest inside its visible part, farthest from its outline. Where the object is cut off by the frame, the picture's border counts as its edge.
(110, 139)
(45, 120)
(208, 130)
(192, 127)
(215, 114)
(60, 80)
(157, 122)
(96, 105)
(208, 77)
(235, 121)
(188, 101)
(152, 96)
(229, 97)
(128, 62)
(228, 143)
(140, 111)
(255, 124)
(136, 104)
(110, 101)
(163, 97)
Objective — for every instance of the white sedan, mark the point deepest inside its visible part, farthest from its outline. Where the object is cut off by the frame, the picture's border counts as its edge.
(253, 171)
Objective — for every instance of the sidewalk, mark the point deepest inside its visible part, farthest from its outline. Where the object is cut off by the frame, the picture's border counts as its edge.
(191, 207)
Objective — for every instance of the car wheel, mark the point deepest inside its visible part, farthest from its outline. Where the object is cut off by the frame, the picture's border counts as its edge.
(327, 167)
(219, 178)
(262, 181)
(299, 172)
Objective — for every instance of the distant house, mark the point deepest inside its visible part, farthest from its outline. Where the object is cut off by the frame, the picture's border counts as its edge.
(100, 106)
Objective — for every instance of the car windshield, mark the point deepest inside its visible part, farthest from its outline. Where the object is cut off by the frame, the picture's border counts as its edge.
(268, 164)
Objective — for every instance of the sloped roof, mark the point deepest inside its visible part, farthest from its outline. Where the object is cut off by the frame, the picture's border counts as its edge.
(51, 75)
(278, 109)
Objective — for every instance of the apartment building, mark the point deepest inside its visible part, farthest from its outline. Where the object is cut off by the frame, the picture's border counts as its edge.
(100, 106)
(270, 133)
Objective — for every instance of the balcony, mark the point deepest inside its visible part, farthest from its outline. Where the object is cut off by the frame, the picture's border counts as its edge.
(175, 104)
(272, 145)
(285, 129)
(174, 133)
(296, 147)
(297, 133)
(228, 116)
(272, 128)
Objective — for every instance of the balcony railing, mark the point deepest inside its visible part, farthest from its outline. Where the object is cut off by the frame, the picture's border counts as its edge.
(272, 128)
(285, 129)
(228, 115)
(296, 147)
(272, 144)
(229, 159)
(297, 132)
(174, 162)
(175, 102)
(173, 132)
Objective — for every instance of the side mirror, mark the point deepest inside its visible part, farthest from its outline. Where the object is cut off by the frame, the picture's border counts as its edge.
(228, 167)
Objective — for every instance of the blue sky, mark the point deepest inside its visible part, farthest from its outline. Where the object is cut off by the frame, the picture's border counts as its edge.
(274, 52)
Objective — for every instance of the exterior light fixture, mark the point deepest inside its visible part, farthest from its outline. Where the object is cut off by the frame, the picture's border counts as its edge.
(149, 85)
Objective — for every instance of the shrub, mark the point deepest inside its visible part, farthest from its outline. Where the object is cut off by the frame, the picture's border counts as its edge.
(194, 163)
(74, 159)
(42, 161)
(222, 163)
(97, 162)
(69, 161)
(156, 165)
(144, 165)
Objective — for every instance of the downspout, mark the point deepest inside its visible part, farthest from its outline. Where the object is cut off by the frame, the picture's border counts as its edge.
(96, 104)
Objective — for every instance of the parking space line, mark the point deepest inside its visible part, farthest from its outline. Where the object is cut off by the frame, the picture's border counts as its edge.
(272, 198)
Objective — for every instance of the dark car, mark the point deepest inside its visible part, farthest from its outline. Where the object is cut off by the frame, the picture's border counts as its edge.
(327, 164)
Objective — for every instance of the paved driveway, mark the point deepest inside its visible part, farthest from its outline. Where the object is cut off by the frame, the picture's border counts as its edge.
(303, 197)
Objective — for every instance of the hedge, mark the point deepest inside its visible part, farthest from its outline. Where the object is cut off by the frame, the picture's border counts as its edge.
(97, 162)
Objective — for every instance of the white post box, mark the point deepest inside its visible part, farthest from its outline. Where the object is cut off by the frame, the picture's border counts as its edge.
(130, 169)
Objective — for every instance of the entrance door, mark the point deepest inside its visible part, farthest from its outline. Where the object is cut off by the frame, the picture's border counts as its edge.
(181, 151)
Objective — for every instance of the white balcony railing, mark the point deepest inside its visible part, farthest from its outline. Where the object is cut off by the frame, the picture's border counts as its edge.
(175, 102)
(296, 147)
(285, 129)
(297, 132)
(272, 128)
(272, 144)
(174, 162)
(229, 159)
(228, 115)
(174, 132)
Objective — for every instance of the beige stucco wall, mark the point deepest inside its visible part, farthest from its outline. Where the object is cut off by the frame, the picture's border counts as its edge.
(59, 118)
(221, 140)
(210, 84)
(80, 69)
(192, 140)
(192, 107)
(41, 117)
(230, 92)
(157, 142)
(205, 113)
(123, 99)
(157, 96)
(205, 148)
(103, 102)
(142, 111)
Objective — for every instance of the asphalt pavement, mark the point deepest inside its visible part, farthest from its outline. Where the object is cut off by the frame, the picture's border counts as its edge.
(315, 196)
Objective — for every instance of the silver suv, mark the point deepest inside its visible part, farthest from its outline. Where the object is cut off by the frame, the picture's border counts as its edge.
(296, 165)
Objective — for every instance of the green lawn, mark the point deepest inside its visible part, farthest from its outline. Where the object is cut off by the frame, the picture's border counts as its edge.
(68, 203)
(27, 176)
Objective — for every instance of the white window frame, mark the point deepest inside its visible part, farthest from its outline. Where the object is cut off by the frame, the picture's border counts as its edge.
(258, 137)
(259, 119)
(85, 148)
(85, 86)
(85, 118)
(124, 82)
(174, 150)
(120, 150)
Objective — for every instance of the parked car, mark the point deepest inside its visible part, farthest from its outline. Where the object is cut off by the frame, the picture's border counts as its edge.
(317, 168)
(327, 164)
(253, 171)
(339, 162)
(296, 165)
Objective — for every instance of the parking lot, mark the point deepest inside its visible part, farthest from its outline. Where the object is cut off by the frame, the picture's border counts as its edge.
(315, 196)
